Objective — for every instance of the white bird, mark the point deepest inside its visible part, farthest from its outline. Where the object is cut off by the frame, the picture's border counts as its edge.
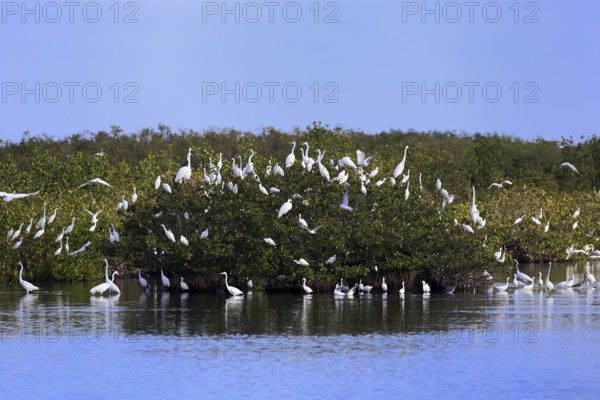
(426, 288)
(547, 227)
(125, 203)
(499, 185)
(344, 205)
(312, 231)
(249, 283)
(184, 286)
(306, 289)
(575, 224)
(467, 228)
(402, 290)
(67, 244)
(69, 228)
(204, 234)
(301, 261)
(285, 207)
(11, 196)
(568, 164)
(536, 221)
(26, 285)
(269, 241)
(157, 182)
(28, 230)
(143, 282)
(590, 276)
(522, 276)
(516, 282)
(134, 196)
(384, 286)
(80, 250)
(94, 215)
(168, 233)
(185, 173)
(577, 213)
(114, 234)
(263, 190)
(549, 285)
(165, 281)
(101, 288)
(438, 184)
(111, 286)
(346, 162)
(42, 221)
(277, 170)
(400, 167)
(519, 220)
(361, 160)
(502, 288)
(18, 244)
(330, 260)
(291, 158)
(167, 188)
(96, 180)
(322, 169)
(17, 233)
(302, 222)
(52, 217)
(540, 280)
(184, 241)
(474, 210)
(274, 190)
(39, 233)
(487, 276)
(232, 290)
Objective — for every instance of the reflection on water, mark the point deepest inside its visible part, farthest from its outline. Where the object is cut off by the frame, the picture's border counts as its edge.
(326, 342)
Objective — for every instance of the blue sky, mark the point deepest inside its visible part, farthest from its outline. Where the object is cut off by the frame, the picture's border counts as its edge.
(528, 69)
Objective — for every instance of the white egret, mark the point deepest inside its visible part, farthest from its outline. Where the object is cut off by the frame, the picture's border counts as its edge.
(94, 215)
(28, 230)
(168, 233)
(26, 285)
(39, 233)
(125, 203)
(400, 167)
(291, 158)
(540, 280)
(17, 233)
(536, 221)
(269, 241)
(302, 222)
(312, 231)
(101, 288)
(204, 234)
(301, 261)
(184, 286)
(568, 164)
(474, 210)
(167, 188)
(499, 185)
(384, 286)
(549, 285)
(277, 170)
(438, 184)
(330, 260)
(165, 281)
(67, 244)
(522, 276)
(487, 276)
(134, 196)
(249, 168)
(143, 282)
(344, 205)
(467, 228)
(69, 228)
(11, 196)
(426, 287)
(547, 227)
(346, 162)
(80, 250)
(322, 169)
(185, 173)
(502, 288)
(263, 190)
(111, 287)
(249, 283)
(306, 289)
(157, 182)
(402, 290)
(232, 290)
(516, 282)
(274, 190)
(42, 221)
(92, 228)
(18, 244)
(285, 207)
(577, 213)
(96, 180)
(184, 241)
(52, 217)
(519, 220)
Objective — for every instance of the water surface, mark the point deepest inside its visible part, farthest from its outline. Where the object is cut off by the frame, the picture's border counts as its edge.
(61, 342)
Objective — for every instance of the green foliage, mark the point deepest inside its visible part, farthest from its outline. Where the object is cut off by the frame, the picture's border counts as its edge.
(401, 236)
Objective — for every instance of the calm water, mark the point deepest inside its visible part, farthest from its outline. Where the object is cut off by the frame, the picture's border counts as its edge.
(60, 343)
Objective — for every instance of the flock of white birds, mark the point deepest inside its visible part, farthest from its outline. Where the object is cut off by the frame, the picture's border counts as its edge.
(344, 165)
